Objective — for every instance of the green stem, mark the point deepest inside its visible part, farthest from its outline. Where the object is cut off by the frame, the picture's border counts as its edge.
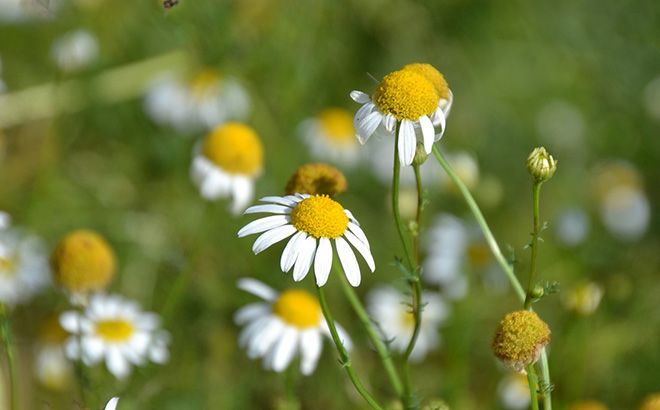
(501, 260)
(534, 245)
(5, 329)
(381, 348)
(532, 380)
(343, 354)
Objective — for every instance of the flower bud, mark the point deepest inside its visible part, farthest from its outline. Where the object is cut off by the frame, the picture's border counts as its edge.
(420, 155)
(82, 262)
(541, 165)
(519, 339)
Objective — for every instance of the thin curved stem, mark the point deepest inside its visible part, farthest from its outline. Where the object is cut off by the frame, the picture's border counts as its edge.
(381, 348)
(534, 244)
(5, 330)
(343, 354)
(499, 257)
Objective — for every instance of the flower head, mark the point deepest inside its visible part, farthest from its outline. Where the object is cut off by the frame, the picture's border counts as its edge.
(226, 163)
(53, 370)
(285, 324)
(541, 165)
(651, 402)
(330, 136)
(314, 222)
(416, 98)
(82, 262)
(115, 330)
(316, 179)
(519, 339)
(513, 391)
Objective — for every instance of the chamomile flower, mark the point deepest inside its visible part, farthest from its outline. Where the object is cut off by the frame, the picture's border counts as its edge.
(583, 299)
(283, 325)
(75, 50)
(117, 331)
(513, 391)
(23, 265)
(417, 98)
(388, 307)
(330, 136)
(314, 222)
(572, 226)
(316, 179)
(204, 101)
(226, 163)
(53, 370)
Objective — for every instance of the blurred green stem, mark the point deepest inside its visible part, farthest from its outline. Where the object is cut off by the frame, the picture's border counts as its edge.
(534, 245)
(381, 348)
(343, 354)
(5, 330)
(532, 380)
(501, 260)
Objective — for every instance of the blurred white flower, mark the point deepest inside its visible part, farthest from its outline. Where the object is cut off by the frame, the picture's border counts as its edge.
(53, 370)
(330, 136)
(75, 50)
(5, 220)
(24, 269)
(390, 310)
(651, 98)
(115, 330)
(561, 124)
(583, 299)
(466, 167)
(513, 391)
(284, 325)
(205, 101)
(3, 87)
(626, 212)
(572, 226)
(226, 164)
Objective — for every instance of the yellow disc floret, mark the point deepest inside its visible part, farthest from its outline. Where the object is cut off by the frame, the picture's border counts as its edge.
(298, 308)
(406, 95)
(83, 261)
(234, 147)
(519, 339)
(652, 402)
(588, 405)
(337, 124)
(114, 330)
(434, 76)
(320, 217)
(316, 179)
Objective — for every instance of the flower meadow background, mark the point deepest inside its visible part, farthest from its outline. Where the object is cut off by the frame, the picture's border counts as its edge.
(580, 78)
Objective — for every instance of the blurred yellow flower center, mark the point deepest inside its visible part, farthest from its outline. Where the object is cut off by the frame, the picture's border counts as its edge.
(520, 337)
(116, 330)
(407, 319)
(337, 124)
(234, 147)
(203, 83)
(7, 266)
(316, 179)
(434, 76)
(320, 217)
(478, 255)
(298, 308)
(652, 402)
(407, 95)
(83, 261)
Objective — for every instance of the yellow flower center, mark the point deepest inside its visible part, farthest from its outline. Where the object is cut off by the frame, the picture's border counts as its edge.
(114, 330)
(83, 261)
(234, 147)
(407, 319)
(316, 179)
(7, 266)
(320, 217)
(434, 76)
(520, 337)
(298, 308)
(478, 255)
(406, 94)
(203, 83)
(337, 124)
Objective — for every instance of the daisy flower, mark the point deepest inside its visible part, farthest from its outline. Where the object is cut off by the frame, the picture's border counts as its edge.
(388, 308)
(572, 226)
(416, 98)
(75, 51)
(513, 391)
(23, 265)
(115, 330)
(314, 222)
(283, 325)
(204, 101)
(53, 370)
(316, 179)
(583, 299)
(226, 163)
(330, 136)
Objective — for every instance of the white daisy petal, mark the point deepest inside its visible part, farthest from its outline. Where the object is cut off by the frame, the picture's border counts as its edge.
(116, 363)
(362, 248)
(268, 208)
(251, 330)
(310, 346)
(305, 258)
(368, 126)
(360, 97)
(348, 262)
(407, 142)
(266, 339)
(250, 312)
(269, 238)
(263, 224)
(441, 122)
(357, 231)
(390, 123)
(323, 261)
(112, 404)
(291, 251)
(92, 350)
(343, 336)
(70, 321)
(285, 349)
(428, 133)
(257, 288)
(286, 201)
(242, 192)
